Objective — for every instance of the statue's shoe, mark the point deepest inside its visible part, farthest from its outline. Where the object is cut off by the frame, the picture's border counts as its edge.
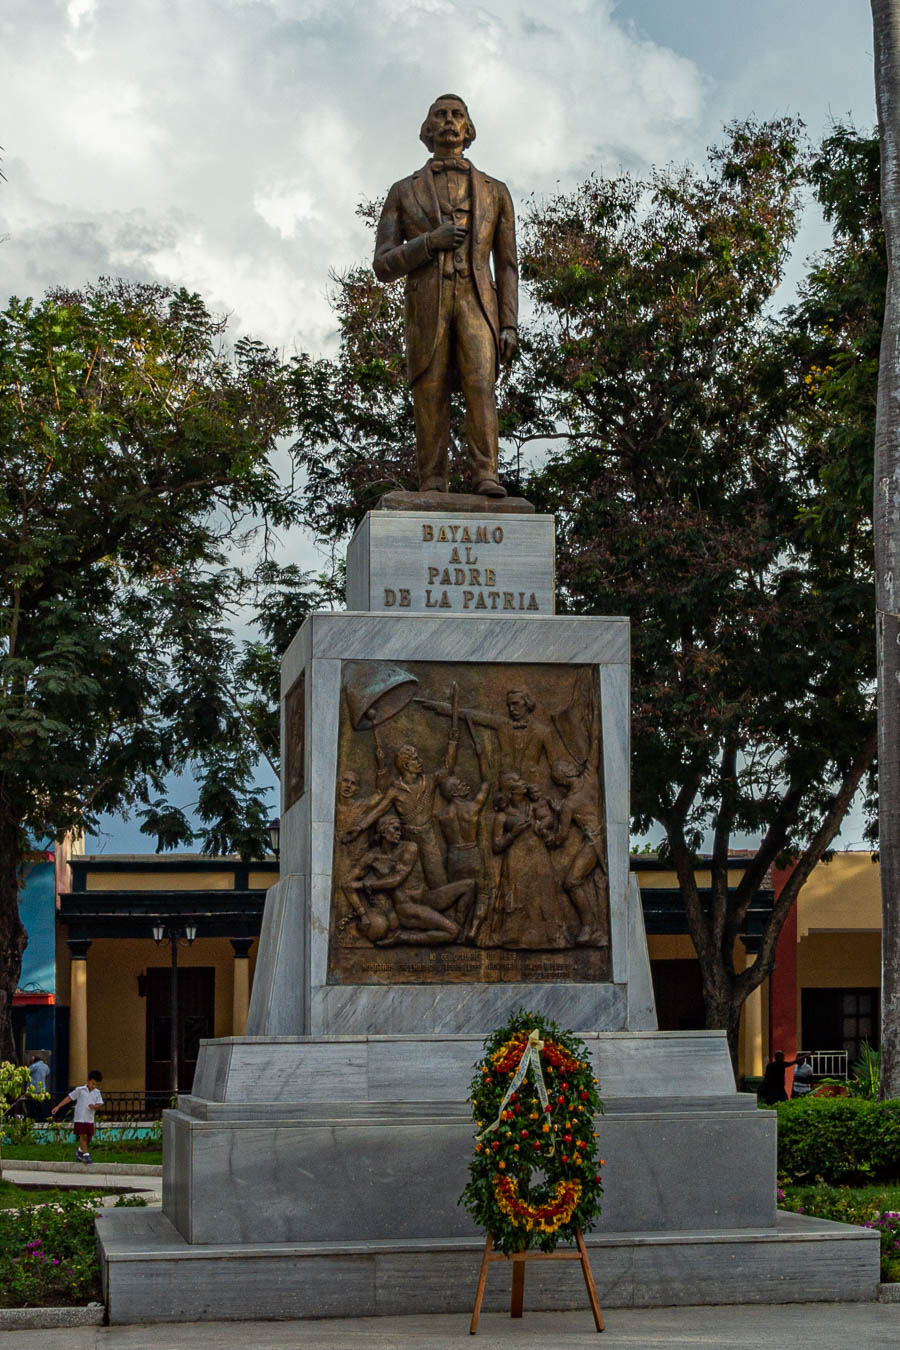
(490, 487)
(433, 485)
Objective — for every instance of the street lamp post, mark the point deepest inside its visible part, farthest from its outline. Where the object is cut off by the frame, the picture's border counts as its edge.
(174, 937)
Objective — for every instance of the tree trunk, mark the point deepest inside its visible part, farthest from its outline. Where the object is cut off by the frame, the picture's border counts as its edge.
(12, 933)
(886, 22)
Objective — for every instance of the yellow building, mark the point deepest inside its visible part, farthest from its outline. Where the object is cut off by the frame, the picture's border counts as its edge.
(824, 994)
(117, 980)
(206, 913)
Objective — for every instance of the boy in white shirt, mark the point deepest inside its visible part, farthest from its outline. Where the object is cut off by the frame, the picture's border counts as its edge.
(87, 1099)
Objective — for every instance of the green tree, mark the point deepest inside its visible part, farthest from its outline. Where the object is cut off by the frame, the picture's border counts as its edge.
(686, 494)
(886, 21)
(135, 477)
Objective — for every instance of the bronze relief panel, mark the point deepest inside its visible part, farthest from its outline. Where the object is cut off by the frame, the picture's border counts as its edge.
(470, 828)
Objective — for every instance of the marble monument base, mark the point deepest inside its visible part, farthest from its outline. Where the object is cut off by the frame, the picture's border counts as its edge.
(315, 1177)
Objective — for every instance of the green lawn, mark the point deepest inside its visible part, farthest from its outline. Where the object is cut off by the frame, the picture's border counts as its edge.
(100, 1152)
(15, 1197)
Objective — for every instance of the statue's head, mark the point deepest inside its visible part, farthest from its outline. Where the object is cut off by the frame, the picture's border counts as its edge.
(407, 760)
(446, 104)
(388, 828)
(512, 785)
(519, 703)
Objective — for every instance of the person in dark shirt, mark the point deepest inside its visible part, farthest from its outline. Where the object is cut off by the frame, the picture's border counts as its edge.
(773, 1089)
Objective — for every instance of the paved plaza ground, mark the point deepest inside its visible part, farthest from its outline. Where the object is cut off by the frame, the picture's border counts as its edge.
(827, 1326)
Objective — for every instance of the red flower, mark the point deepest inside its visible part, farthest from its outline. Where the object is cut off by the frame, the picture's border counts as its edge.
(565, 1157)
(561, 1100)
(584, 1096)
(548, 1107)
(567, 1139)
(524, 1134)
(565, 1085)
(495, 1145)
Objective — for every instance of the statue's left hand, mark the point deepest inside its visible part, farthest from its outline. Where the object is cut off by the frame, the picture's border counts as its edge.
(509, 341)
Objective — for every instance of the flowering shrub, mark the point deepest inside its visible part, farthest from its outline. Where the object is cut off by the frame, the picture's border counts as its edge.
(865, 1207)
(544, 1124)
(48, 1253)
(888, 1225)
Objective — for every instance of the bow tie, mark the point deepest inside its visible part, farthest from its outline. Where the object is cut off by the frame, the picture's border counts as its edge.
(440, 165)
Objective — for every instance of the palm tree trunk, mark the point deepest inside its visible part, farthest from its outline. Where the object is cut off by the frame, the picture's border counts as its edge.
(886, 23)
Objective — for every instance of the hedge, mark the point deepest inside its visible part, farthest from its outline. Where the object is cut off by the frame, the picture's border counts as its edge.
(839, 1139)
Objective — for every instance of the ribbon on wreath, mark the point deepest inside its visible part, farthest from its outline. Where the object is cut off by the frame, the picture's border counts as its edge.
(531, 1057)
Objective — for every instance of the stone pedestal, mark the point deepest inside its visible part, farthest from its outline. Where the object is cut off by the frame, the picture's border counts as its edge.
(468, 563)
(295, 990)
(344, 1126)
(315, 1168)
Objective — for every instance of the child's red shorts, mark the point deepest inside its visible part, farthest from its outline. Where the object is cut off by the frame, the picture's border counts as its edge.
(85, 1128)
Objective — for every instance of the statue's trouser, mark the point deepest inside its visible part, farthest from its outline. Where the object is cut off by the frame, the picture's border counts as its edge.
(464, 334)
(462, 862)
(431, 854)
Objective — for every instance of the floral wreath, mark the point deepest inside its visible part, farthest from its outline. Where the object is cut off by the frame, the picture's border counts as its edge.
(534, 1100)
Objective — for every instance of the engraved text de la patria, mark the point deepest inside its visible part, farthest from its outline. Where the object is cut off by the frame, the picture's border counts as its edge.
(469, 577)
(470, 830)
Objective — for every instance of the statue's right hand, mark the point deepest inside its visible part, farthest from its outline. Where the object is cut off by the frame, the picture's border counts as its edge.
(447, 236)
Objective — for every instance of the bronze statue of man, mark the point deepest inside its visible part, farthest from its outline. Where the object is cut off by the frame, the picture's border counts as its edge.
(440, 228)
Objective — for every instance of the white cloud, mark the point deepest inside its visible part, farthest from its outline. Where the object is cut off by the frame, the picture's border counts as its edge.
(78, 10)
(284, 206)
(224, 144)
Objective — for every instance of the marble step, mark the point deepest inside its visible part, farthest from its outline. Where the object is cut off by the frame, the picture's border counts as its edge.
(150, 1274)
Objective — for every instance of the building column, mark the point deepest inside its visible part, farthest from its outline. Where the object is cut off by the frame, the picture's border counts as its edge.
(240, 1003)
(78, 1024)
(753, 1031)
(783, 1000)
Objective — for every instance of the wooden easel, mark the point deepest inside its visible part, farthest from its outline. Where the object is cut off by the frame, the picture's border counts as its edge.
(518, 1277)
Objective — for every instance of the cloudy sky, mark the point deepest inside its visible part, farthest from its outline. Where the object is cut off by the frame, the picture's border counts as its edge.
(224, 144)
